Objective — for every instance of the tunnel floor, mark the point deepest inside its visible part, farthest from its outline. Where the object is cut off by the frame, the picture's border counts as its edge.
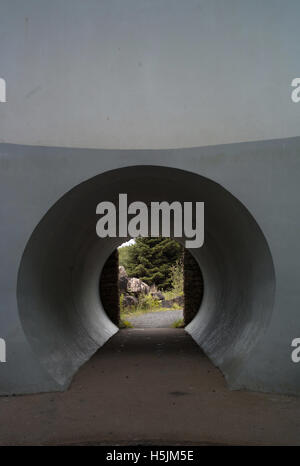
(151, 386)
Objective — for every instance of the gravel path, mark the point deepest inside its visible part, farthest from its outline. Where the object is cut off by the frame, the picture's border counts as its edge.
(159, 319)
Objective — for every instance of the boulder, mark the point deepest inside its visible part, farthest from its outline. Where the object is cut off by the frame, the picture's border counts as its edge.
(137, 286)
(122, 271)
(129, 301)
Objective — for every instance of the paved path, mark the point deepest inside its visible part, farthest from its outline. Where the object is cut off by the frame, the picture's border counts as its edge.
(159, 319)
(152, 386)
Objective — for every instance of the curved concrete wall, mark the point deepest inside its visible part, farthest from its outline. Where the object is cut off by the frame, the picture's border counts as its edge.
(56, 322)
(145, 75)
(58, 286)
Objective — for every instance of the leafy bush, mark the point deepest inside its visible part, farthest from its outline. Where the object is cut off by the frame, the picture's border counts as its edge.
(147, 302)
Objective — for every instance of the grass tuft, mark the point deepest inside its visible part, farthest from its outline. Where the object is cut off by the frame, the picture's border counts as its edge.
(179, 323)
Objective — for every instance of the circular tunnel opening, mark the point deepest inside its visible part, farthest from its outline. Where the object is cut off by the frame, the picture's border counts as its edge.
(58, 283)
(164, 278)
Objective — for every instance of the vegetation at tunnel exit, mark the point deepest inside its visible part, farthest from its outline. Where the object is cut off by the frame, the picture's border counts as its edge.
(153, 260)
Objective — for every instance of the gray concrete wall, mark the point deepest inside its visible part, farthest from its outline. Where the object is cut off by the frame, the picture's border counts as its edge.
(148, 74)
(85, 79)
(53, 320)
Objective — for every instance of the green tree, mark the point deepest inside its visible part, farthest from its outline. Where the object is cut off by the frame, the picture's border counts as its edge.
(151, 260)
(177, 279)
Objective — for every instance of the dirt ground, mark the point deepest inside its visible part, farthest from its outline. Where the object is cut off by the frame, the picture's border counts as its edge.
(151, 386)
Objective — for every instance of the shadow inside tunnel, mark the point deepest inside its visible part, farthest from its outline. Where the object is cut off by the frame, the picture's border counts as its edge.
(150, 386)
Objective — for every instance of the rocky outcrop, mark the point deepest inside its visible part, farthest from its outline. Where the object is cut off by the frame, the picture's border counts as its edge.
(131, 288)
(137, 286)
(129, 301)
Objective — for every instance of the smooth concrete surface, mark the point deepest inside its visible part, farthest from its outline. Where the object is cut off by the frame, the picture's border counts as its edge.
(51, 313)
(150, 387)
(148, 74)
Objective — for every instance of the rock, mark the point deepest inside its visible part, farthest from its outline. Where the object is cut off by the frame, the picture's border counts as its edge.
(158, 295)
(123, 279)
(136, 286)
(131, 285)
(129, 301)
(122, 271)
(179, 300)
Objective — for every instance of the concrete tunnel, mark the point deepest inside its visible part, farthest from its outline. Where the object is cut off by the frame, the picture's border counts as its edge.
(163, 101)
(58, 279)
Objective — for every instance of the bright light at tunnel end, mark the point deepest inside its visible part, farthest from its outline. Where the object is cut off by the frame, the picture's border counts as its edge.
(140, 220)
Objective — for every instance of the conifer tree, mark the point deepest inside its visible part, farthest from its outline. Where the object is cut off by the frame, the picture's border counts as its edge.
(151, 260)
